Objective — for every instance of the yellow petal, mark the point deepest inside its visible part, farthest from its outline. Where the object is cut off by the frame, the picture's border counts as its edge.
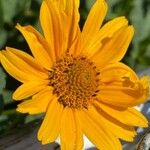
(75, 48)
(47, 27)
(13, 70)
(107, 31)
(53, 26)
(28, 89)
(118, 96)
(116, 72)
(126, 93)
(38, 103)
(111, 27)
(97, 133)
(68, 133)
(73, 13)
(50, 127)
(114, 48)
(24, 62)
(71, 135)
(38, 46)
(79, 134)
(120, 130)
(128, 116)
(94, 21)
(145, 81)
(26, 57)
(71, 9)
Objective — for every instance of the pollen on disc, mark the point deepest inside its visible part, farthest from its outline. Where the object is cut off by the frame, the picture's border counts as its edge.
(75, 81)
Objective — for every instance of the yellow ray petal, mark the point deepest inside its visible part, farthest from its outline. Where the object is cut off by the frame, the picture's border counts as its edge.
(38, 103)
(94, 21)
(28, 89)
(38, 45)
(13, 70)
(53, 24)
(71, 9)
(50, 127)
(114, 49)
(68, 133)
(111, 27)
(128, 116)
(75, 49)
(23, 61)
(79, 134)
(116, 72)
(71, 135)
(47, 27)
(118, 96)
(125, 93)
(145, 82)
(97, 133)
(73, 16)
(26, 57)
(107, 31)
(120, 130)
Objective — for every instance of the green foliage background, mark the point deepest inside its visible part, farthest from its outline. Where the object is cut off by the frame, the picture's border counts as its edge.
(27, 12)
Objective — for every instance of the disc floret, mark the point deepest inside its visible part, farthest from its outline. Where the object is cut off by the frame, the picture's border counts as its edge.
(75, 81)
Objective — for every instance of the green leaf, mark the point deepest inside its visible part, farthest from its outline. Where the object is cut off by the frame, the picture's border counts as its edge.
(3, 37)
(140, 18)
(12, 7)
(7, 96)
(2, 80)
(1, 104)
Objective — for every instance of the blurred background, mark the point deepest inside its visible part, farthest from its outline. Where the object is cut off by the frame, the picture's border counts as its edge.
(27, 12)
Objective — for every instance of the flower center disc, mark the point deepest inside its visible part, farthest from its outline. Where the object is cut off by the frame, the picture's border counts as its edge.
(75, 81)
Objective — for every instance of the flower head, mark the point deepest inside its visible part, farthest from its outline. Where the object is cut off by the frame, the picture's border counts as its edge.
(76, 77)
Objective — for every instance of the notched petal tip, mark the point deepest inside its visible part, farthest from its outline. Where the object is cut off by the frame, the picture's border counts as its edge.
(23, 110)
(1, 54)
(19, 109)
(145, 81)
(131, 30)
(18, 26)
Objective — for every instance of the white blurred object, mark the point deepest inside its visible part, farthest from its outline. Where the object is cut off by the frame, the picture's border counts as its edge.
(145, 143)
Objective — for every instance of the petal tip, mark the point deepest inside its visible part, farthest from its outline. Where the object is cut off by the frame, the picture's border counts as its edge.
(18, 26)
(19, 109)
(15, 96)
(131, 29)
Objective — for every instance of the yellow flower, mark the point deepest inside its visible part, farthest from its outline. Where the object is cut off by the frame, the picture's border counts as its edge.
(77, 78)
